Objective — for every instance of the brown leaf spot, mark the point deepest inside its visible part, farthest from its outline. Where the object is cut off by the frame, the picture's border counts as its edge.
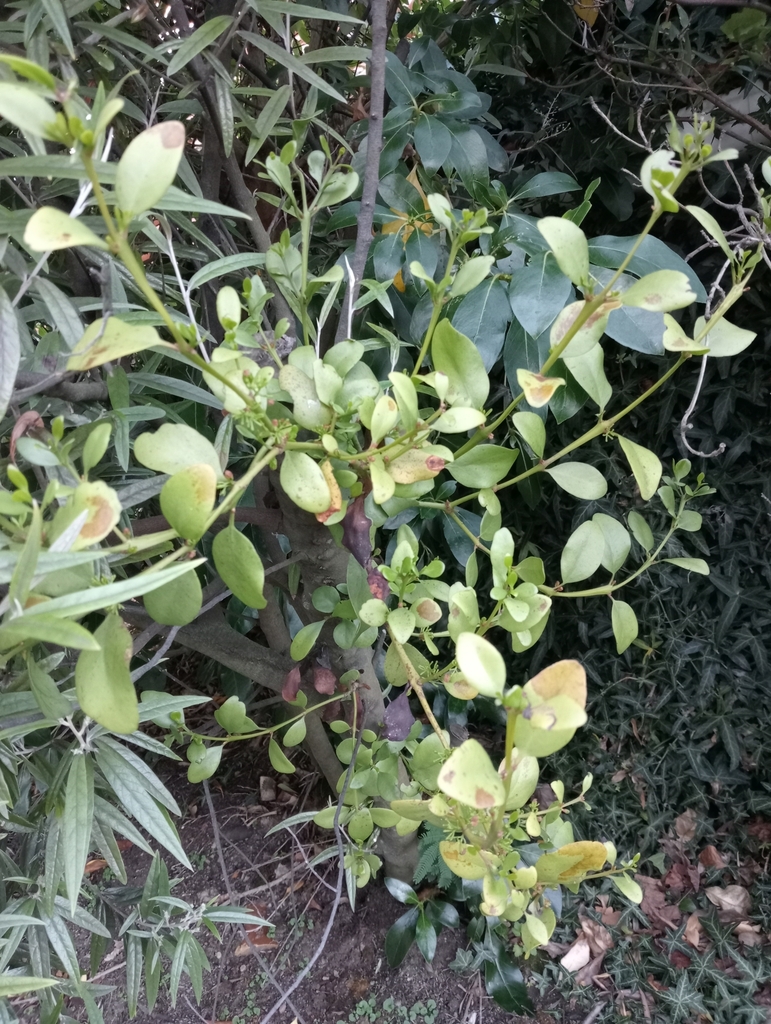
(100, 517)
(435, 463)
(483, 799)
(172, 134)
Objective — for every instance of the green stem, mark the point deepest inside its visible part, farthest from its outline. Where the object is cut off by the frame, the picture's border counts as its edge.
(462, 526)
(417, 686)
(269, 730)
(611, 587)
(437, 310)
(305, 231)
(603, 427)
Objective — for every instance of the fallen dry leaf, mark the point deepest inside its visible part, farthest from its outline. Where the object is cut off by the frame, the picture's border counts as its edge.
(733, 902)
(654, 904)
(748, 934)
(685, 825)
(591, 972)
(610, 917)
(597, 935)
(577, 956)
(681, 877)
(678, 959)
(94, 865)
(710, 857)
(692, 933)
(257, 934)
(761, 829)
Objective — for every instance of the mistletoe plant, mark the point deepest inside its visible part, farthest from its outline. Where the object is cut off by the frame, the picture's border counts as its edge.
(373, 450)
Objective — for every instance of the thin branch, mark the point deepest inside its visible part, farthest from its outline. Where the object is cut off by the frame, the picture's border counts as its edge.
(686, 425)
(340, 879)
(144, 669)
(372, 169)
(751, 4)
(609, 123)
(231, 898)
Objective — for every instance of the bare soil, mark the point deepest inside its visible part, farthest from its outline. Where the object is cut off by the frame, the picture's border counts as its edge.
(271, 875)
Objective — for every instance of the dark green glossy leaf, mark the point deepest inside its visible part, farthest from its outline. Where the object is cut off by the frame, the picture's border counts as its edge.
(504, 983)
(400, 937)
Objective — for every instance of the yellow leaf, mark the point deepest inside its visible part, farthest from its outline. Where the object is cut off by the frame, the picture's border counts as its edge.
(587, 10)
(539, 390)
(465, 861)
(562, 679)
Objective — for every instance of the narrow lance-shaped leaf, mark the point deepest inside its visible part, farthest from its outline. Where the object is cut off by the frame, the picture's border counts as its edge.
(10, 350)
(76, 822)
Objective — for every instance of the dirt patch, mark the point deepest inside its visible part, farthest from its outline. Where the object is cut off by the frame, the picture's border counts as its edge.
(351, 982)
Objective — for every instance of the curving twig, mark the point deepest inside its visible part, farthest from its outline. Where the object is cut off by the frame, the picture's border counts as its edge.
(338, 889)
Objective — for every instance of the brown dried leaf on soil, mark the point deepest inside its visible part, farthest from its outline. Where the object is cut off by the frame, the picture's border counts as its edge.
(692, 933)
(710, 857)
(592, 972)
(685, 825)
(761, 829)
(654, 903)
(749, 934)
(609, 916)
(257, 934)
(597, 935)
(733, 902)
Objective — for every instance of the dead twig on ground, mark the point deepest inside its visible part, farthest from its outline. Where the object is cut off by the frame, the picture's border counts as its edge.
(226, 879)
(338, 892)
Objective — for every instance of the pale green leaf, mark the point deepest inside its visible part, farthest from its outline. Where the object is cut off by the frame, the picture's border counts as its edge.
(628, 887)
(646, 466)
(530, 426)
(660, 292)
(690, 564)
(458, 358)
(109, 341)
(724, 338)
(640, 530)
(148, 167)
(469, 777)
(579, 479)
(49, 229)
(304, 640)
(583, 553)
(712, 228)
(569, 245)
(625, 627)
(481, 664)
(617, 541)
